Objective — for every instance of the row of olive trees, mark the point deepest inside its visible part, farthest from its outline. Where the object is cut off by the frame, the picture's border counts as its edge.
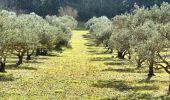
(65, 24)
(134, 32)
(101, 30)
(144, 33)
(26, 33)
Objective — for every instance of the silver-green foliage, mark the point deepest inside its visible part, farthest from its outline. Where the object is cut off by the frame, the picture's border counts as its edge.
(66, 21)
(21, 33)
(64, 24)
(144, 32)
(100, 28)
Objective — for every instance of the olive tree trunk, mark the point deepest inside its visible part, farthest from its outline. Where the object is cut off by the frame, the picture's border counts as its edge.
(151, 69)
(139, 62)
(42, 52)
(37, 52)
(29, 55)
(121, 55)
(20, 58)
(2, 66)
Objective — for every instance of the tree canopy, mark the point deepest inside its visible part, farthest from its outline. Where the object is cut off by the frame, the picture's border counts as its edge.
(23, 33)
(144, 31)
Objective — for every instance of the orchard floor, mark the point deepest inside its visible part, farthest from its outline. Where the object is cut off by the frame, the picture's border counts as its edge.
(81, 73)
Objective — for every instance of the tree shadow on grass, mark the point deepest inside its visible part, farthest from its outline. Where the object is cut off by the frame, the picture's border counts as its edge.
(87, 36)
(14, 57)
(92, 52)
(152, 81)
(119, 85)
(42, 58)
(4, 77)
(88, 39)
(125, 70)
(163, 97)
(25, 61)
(133, 96)
(117, 63)
(52, 55)
(122, 85)
(101, 59)
(15, 67)
(95, 52)
(33, 62)
(89, 44)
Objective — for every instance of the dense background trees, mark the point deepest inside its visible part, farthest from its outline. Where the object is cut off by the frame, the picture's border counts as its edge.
(86, 8)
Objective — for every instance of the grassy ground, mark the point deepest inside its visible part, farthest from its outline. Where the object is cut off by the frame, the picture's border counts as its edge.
(81, 73)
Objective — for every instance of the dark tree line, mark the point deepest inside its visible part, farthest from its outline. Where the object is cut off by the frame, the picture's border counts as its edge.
(86, 8)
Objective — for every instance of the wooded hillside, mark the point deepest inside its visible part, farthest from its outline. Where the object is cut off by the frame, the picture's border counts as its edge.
(86, 8)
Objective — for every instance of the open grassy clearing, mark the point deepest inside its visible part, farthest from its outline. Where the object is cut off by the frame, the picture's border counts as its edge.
(83, 72)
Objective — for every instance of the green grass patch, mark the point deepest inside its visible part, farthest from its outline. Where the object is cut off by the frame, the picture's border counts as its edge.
(83, 72)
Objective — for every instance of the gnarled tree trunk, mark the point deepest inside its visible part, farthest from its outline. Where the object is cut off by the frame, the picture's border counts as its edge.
(151, 69)
(2, 66)
(20, 58)
(139, 62)
(121, 55)
(111, 50)
(29, 55)
(37, 52)
(41, 51)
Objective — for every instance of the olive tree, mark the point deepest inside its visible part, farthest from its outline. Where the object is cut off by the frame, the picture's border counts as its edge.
(90, 23)
(139, 32)
(47, 37)
(150, 44)
(121, 36)
(7, 20)
(64, 25)
(101, 29)
(66, 21)
(150, 41)
(144, 32)
(25, 33)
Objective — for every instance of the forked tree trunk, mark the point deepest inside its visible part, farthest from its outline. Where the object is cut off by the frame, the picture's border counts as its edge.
(106, 50)
(2, 64)
(44, 52)
(37, 52)
(111, 50)
(121, 55)
(129, 55)
(139, 63)
(41, 51)
(29, 55)
(20, 58)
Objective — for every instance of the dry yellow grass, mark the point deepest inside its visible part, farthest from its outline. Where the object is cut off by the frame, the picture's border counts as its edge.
(81, 73)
